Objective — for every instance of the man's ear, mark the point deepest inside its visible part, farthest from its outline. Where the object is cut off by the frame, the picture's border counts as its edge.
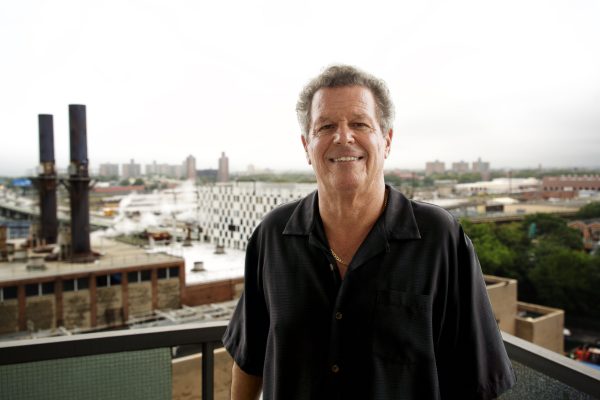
(305, 145)
(388, 142)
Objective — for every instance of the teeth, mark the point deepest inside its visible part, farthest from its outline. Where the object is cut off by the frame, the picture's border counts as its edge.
(345, 159)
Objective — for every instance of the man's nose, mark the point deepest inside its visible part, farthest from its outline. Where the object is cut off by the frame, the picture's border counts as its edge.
(344, 134)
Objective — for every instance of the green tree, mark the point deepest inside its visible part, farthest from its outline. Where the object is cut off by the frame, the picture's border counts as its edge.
(393, 180)
(495, 257)
(551, 228)
(591, 210)
(567, 279)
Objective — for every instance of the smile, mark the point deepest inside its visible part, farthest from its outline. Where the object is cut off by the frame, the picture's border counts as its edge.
(345, 159)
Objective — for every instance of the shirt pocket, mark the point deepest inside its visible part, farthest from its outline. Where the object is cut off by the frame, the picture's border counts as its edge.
(402, 330)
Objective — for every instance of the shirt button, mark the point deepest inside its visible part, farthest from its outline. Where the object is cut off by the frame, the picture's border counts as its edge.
(335, 369)
(338, 315)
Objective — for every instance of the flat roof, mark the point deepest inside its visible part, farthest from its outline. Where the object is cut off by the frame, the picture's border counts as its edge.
(217, 267)
(115, 255)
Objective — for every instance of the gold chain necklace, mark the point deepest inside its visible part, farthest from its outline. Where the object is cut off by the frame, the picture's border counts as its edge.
(337, 258)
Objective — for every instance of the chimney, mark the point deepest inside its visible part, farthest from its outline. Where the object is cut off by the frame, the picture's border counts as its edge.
(79, 184)
(46, 180)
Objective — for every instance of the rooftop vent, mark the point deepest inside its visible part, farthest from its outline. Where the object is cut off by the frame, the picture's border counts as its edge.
(220, 249)
(198, 266)
(36, 264)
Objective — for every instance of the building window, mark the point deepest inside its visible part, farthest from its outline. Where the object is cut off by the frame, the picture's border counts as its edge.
(102, 281)
(33, 289)
(139, 276)
(82, 283)
(47, 288)
(69, 285)
(133, 277)
(8, 293)
(115, 279)
(73, 285)
(145, 275)
(167, 273)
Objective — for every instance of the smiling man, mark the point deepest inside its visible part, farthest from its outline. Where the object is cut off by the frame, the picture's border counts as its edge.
(356, 292)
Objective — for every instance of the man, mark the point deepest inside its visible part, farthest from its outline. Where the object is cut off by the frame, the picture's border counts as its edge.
(355, 292)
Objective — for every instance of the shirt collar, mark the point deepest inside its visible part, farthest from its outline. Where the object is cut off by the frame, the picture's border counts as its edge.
(398, 220)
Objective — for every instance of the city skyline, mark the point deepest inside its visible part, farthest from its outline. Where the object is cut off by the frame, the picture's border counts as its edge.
(514, 83)
(176, 170)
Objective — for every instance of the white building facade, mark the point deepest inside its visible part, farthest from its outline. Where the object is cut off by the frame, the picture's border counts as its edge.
(228, 213)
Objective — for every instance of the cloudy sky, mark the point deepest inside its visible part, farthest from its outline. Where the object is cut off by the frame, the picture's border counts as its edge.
(516, 82)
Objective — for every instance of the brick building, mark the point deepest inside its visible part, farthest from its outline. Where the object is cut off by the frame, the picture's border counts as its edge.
(44, 295)
(569, 186)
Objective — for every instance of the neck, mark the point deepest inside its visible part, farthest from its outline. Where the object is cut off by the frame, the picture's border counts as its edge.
(341, 211)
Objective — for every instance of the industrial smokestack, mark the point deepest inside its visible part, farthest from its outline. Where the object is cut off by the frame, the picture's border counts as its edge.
(46, 180)
(78, 135)
(46, 128)
(79, 182)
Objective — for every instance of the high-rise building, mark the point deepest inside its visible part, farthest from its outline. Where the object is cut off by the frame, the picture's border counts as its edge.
(223, 173)
(168, 171)
(460, 167)
(152, 169)
(481, 167)
(109, 169)
(189, 167)
(435, 167)
(131, 170)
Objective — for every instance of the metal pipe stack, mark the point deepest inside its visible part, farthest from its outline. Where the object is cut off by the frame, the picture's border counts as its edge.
(47, 181)
(79, 186)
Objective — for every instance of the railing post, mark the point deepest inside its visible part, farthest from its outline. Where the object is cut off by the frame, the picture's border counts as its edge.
(208, 367)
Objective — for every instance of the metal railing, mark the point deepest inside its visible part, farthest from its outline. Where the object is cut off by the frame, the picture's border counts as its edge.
(580, 378)
(207, 334)
(574, 374)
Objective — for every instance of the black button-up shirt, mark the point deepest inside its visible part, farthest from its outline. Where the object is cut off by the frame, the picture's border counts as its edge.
(410, 320)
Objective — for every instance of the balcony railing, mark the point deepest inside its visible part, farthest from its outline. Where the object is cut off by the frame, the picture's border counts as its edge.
(134, 363)
(137, 359)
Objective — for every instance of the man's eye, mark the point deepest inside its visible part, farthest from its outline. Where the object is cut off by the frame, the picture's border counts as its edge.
(324, 128)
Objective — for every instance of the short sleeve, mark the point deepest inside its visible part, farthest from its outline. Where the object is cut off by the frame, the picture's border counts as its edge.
(472, 361)
(246, 336)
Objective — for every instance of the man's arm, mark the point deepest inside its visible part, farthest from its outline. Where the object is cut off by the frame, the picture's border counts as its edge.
(244, 386)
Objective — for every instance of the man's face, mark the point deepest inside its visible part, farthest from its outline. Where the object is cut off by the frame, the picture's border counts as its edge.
(345, 144)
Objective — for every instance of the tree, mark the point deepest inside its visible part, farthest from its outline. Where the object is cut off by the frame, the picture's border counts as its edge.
(551, 268)
(393, 180)
(567, 279)
(591, 210)
(551, 228)
(495, 257)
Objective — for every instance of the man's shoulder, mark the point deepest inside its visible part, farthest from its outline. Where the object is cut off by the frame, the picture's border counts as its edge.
(277, 218)
(431, 217)
(280, 214)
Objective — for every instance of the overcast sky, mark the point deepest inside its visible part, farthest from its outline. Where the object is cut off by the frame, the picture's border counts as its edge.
(514, 82)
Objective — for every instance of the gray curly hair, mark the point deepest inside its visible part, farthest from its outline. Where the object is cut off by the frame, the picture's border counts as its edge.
(341, 76)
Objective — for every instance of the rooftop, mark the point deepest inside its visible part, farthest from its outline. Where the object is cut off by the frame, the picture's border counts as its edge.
(113, 255)
(217, 267)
